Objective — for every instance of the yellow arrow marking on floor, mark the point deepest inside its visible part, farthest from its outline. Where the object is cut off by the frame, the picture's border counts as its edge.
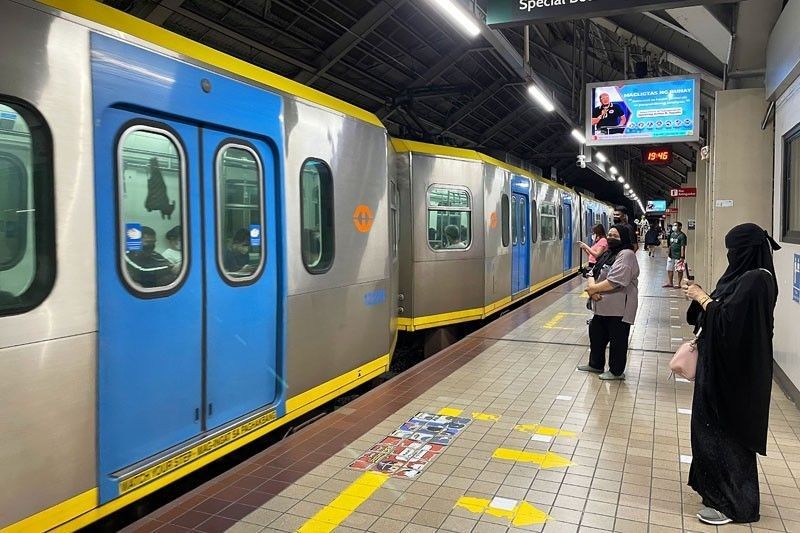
(523, 514)
(329, 517)
(449, 411)
(543, 430)
(544, 460)
(486, 416)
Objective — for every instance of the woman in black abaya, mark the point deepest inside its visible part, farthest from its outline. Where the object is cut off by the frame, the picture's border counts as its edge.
(730, 411)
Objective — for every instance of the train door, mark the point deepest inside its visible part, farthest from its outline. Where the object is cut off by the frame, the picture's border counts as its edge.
(189, 298)
(566, 222)
(521, 252)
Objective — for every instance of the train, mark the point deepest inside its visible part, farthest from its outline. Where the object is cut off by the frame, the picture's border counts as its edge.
(173, 225)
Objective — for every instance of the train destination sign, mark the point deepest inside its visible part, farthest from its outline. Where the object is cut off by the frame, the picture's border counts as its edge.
(510, 12)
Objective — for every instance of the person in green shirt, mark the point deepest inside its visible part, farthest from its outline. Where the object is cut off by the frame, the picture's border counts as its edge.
(677, 253)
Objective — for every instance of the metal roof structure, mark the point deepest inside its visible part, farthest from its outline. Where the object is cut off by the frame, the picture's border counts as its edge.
(404, 61)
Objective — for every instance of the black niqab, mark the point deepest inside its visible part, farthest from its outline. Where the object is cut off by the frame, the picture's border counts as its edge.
(736, 339)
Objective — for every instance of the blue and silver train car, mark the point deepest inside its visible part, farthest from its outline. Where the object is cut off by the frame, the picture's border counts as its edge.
(467, 216)
(173, 223)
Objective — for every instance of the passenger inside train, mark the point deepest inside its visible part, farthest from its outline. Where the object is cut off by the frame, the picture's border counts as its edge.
(146, 267)
(237, 256)
(454, 239)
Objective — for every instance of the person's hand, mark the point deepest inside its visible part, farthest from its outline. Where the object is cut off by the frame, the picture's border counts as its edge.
(695, 292)
(596, 297)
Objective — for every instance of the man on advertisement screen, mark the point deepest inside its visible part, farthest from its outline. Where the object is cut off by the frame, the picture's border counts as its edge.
(609, 117)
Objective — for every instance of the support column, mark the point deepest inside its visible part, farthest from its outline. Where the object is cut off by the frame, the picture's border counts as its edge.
(701, 233)
(741, 173)
(687, 213)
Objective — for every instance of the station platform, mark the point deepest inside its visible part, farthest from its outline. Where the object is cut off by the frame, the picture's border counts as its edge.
(533, 445)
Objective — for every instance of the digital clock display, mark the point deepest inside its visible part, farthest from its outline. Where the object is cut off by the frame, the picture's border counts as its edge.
(657, 156)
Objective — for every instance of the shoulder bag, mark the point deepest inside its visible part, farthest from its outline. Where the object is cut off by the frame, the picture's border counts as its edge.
(684, 362)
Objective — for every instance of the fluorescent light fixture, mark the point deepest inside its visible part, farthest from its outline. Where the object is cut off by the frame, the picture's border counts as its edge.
(601, 157)
(541, 99)
(621, 179)
(579, 136)
(614, 170)
(462, 19)
(627, 186)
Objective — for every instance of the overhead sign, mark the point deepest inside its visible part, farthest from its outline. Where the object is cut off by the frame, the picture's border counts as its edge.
(672, 210)
(656, 206)
(510, 12)
(657, 156)
(683, 192)
(646, 111)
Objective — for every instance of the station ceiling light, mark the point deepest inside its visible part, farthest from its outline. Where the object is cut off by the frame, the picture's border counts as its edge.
(614, 170)
(541, 99)
(579, 136)
(601, 157)
(627, 186)
(621, 179)
(455, 13)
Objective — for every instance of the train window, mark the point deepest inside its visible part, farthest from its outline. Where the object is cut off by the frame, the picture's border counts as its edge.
(395, 221)
(514, 229)
(316, 216)
(560, 222)
(152, 184)
(534, 222)
(240, 212)
(548, 221)
(449, 217)
(27, 228)
(790, 226)
(523, 221)
(504, 231)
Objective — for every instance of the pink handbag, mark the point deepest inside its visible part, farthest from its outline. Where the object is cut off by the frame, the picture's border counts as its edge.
(684, 362)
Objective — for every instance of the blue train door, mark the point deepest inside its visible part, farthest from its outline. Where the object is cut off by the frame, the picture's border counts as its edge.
(520, 253)
(567, 225)
(188, 254)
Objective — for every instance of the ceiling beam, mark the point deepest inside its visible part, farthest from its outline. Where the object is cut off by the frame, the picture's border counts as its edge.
(363, 27)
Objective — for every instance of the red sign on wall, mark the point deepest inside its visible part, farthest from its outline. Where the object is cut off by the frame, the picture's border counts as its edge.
(683, 192)
(672, 210)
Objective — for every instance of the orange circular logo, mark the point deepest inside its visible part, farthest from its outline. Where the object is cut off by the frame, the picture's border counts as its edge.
(493, 220)
(362, 218)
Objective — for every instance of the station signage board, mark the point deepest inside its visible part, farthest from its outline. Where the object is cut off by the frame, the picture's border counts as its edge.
(672, 210)
(683, 192)
(511, 12)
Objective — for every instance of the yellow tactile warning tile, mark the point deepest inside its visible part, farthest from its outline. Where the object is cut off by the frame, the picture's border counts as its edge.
(544, 430)
(486, 416)
(450, 411)
(520, 513)
(336, 512)
(544, 460)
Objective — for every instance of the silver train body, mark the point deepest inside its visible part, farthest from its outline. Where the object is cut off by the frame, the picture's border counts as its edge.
(434, 290)
(338, 326)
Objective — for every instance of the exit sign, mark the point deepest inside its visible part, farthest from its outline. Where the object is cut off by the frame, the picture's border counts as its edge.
(684, 192)
(657, 156)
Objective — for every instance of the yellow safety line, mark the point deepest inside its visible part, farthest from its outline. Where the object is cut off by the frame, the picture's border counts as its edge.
(449, 411)
(336, 512)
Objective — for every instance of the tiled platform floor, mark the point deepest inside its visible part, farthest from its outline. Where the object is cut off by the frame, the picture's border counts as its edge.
(628, 473)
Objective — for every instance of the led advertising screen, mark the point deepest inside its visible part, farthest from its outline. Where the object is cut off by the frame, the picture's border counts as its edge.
(656, 206)
(645, 111)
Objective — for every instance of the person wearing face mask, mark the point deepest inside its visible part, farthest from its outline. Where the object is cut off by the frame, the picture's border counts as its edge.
(613, 288)
(677, 253)
(621, 217)
(733, 381)
(146, 267)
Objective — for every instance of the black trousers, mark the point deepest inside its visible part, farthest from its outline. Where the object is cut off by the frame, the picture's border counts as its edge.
(602, 331)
